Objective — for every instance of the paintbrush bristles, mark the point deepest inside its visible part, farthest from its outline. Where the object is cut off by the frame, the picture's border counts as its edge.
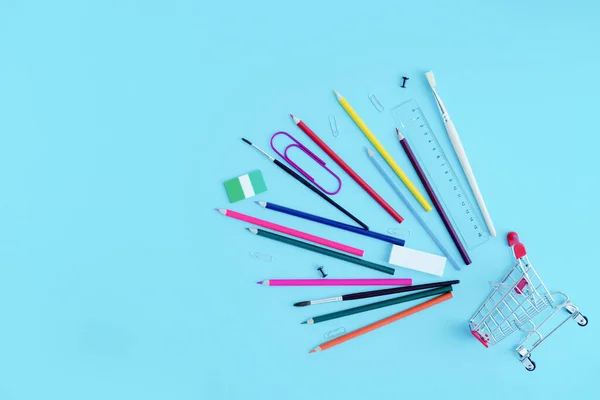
(259, 149)
(430, 79)
(302, 304)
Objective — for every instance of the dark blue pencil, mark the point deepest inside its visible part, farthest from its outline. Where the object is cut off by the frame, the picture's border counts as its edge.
(330, 222)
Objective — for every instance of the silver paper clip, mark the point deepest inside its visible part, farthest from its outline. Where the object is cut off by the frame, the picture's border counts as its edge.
(336, 332)
(401, 232)
(261, 256)
(376, 103)
(334, 126)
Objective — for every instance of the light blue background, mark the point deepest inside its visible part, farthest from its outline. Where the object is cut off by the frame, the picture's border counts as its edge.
(120, 120)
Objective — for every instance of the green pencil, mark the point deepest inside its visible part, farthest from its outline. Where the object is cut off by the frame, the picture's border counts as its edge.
(322, 250)
(379, 304)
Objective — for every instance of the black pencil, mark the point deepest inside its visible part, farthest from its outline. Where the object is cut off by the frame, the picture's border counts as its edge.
(306, 183)
(373, 293)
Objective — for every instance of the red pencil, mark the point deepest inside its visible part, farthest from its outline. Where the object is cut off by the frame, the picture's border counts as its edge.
(347, 168)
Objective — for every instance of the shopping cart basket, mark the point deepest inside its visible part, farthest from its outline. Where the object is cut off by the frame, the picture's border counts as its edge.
(516, 302)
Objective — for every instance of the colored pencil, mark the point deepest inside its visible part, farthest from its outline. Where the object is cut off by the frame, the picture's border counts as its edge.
(337, 282)
(291, 232)
(384, 153)
(421, 221)
(313, 136)
(330, 222)
(375, 293)
(438, 206)
(322, 250)
(382, 322)
(306, 183)
(379, 304)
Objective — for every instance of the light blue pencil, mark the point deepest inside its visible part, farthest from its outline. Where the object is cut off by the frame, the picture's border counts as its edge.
(389, 180)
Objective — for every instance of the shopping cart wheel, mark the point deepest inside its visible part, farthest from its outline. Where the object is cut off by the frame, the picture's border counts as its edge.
(528, 364)
(582, 320)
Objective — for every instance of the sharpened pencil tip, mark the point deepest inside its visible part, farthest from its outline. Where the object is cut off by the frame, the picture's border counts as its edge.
(259, 282)
(221, 210)
(253, 230)
(400, 135)
(262, 203)
(370, 153)
(312, 351)
(339, 96)
(296, 119)
(304, 322)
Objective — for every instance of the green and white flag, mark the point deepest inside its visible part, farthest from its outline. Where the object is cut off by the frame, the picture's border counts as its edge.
(245, 186)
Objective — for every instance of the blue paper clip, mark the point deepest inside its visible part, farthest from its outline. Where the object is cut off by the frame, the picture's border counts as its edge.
(311, 155)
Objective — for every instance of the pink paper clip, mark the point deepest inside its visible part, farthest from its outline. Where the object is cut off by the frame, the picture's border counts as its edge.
(311, 155)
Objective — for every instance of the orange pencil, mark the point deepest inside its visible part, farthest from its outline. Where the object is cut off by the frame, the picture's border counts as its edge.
(382, 322)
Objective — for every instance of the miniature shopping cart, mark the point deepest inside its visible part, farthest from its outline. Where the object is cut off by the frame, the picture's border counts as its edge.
(516, 302)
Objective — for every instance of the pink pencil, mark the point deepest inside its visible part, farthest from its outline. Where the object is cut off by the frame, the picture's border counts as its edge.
(292, 232)
(337, 282)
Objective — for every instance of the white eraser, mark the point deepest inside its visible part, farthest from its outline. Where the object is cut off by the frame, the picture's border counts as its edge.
(417, 260)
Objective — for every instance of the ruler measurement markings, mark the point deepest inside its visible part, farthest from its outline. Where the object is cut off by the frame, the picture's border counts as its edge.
(467, 222)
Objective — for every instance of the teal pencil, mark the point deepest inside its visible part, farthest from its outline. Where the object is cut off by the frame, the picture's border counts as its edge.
(379, 304)
(322, 250)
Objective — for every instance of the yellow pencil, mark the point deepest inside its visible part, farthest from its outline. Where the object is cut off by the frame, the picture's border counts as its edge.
(388, 158)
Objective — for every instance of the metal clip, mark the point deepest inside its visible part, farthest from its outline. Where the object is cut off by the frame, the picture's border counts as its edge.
(336, 332)
(261, 256)
(312, 155)
(400, 232)
(376, 103)
(334, 126)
